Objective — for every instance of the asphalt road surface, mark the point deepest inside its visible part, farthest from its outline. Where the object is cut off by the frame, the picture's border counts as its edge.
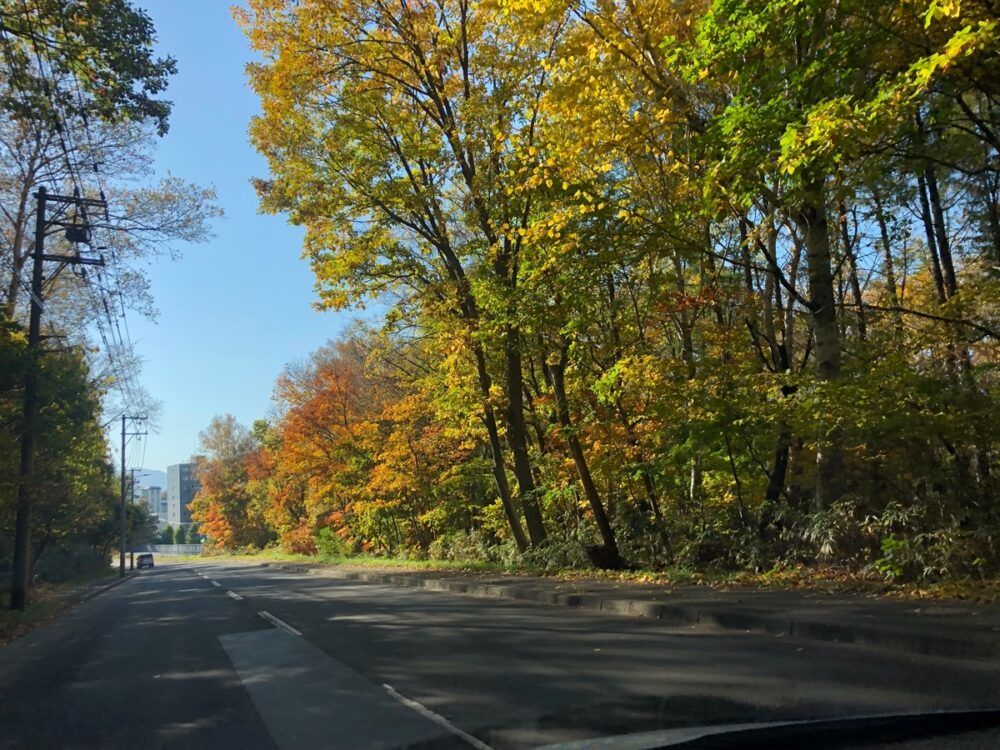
(238, 656)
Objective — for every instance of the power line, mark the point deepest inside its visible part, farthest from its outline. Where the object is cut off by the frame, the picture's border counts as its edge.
(142, 460)
(83, 113)
(105, 293)
(119, 368)
(12, 69)
(94, 156)
(26, 470)
(51, 93)
(15, 273)
(124, 343)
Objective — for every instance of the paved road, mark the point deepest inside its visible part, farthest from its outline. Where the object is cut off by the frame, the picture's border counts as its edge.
(180, 657)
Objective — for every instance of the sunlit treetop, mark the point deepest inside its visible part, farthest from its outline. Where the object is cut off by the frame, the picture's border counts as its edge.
(82, 58)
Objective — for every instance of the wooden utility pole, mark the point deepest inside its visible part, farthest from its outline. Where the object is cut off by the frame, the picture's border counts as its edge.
(121, 551)
(22, 526)
(26, 469)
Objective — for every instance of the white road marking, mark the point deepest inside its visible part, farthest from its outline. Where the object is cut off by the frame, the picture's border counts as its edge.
(278, 623)
(216, 583)
(237, 597)
(292, 683)
(184, 591)
(438, 719)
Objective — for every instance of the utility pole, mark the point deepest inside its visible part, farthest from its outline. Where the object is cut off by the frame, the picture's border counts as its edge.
(131, 499)
(26, 469)
(22, 526)
(131, 483)
(121, 551)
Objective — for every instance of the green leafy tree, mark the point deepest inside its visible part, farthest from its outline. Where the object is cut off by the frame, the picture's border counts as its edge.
(141, 525)
(709, 284)
(105, 46)
(420, 199)
(75, 487)
(166, 535)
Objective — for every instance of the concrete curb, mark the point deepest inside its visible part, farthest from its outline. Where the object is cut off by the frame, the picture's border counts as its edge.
(727, 617)
(101, 589)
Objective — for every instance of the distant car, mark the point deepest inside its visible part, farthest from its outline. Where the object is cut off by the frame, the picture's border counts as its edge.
(145, 560)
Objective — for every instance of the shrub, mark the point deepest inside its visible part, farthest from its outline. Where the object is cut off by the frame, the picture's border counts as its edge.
(330, 544)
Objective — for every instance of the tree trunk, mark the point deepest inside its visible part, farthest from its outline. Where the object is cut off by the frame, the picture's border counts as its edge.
(826, 335)
(17, 254)
(517, 437)
(887, 263)
(652, 500)
(929, 233)
(496, 448)
(611, 554)
(993, 212)
(852, 264)
(940, 232)
(779, 468)
(39, 549)
(536, 421)
(944, 281)
(469, 311)
(694, 486)
(780, 362)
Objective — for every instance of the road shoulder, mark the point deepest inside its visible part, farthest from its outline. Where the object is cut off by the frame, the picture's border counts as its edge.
(957, 630)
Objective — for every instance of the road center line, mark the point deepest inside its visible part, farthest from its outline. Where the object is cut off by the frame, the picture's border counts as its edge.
(437, 718)
(237, 597)
(216, 583)
(279, 624)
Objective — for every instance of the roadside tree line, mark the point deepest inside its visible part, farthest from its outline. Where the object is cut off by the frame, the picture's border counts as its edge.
(698, 283)
(80, 108)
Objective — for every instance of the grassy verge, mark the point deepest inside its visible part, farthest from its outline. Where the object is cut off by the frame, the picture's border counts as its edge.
(826, 579)
(46, 602)
(360, 561)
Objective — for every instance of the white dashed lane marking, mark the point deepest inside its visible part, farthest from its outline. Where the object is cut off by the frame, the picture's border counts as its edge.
(237, 597)
(301, 692)
(437, 718)
(279, 623)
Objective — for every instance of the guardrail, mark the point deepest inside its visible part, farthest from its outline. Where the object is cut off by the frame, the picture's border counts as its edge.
(169, 549)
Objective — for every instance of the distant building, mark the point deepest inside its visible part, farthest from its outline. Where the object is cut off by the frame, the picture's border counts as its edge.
(155, 501)
(181, 488)
(150, 497)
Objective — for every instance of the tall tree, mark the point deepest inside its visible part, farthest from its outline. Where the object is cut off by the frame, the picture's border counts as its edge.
(419, 110)
(103, 47)
(223, 507)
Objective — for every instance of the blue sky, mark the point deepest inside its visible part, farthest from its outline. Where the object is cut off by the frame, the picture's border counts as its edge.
(235, 310)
